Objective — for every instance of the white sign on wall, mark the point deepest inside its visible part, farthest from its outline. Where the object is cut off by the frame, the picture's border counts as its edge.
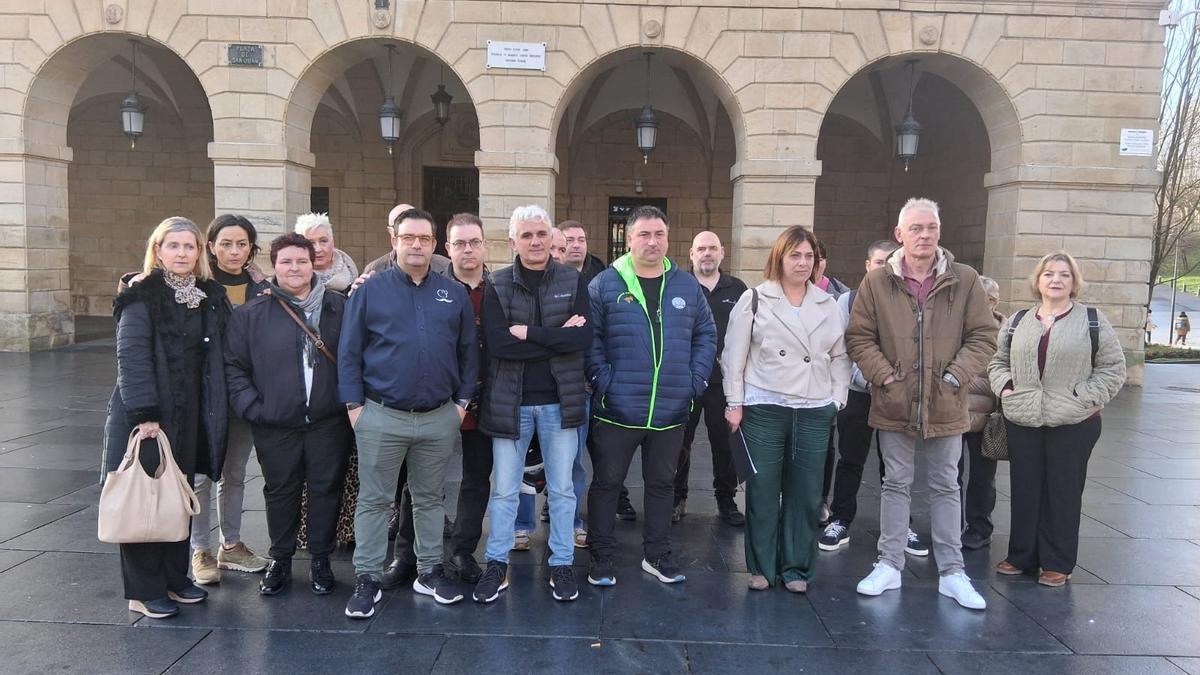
(1137, 142)
(519, 55)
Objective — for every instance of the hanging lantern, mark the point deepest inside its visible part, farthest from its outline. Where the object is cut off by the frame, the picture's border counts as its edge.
(441, 104)
(389, 112)
(133, 113)
(647, 125)
(908, 132)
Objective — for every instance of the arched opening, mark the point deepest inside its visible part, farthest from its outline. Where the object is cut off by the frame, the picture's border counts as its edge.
(601, 170)
(113, 194)
(334, 113)
(863, 185)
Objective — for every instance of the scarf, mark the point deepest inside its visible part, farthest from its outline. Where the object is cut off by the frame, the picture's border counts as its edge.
(185, 289)
(341, 272)
(309, 310)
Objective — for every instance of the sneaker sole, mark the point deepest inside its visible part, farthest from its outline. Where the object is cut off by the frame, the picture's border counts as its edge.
(890, 587)
(503, 587)
(649, 569)
(603, 581)
(186, 601)
(960, 602)
(206, 582)
(425, 590)
(240, 568)
(833, 547)
(559, 597)
(140, 608)
(366, 615)
(921, 553)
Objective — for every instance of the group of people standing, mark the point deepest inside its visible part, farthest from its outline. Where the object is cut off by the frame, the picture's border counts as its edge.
(427, 354)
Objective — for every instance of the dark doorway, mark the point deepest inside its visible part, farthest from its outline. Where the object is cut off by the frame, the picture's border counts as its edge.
(618, 211)
(447, 191)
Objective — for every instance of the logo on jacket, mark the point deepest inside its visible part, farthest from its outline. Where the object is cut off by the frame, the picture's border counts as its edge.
(626, 297)
(678, 302)
(729, 301)
(443, 295)
(560, 296)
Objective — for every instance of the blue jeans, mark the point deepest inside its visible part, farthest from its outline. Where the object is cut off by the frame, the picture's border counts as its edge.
(560, 448)
(527, 509)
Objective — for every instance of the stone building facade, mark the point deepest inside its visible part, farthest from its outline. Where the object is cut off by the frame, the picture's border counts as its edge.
(771, 113)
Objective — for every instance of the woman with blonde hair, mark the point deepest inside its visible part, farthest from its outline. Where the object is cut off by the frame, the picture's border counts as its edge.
(786, 375)
(334, 267)
(170, 378)
(1057, 364)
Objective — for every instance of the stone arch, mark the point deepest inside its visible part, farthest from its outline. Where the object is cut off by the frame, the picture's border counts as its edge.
(671, 56)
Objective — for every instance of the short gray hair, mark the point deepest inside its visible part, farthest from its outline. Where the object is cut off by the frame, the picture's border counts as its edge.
(918, 203)
(990, 287)
(311, 221)
(527, 214)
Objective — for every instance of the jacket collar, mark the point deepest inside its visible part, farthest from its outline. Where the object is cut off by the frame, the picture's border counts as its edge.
(940, 267)
(800, 324)
(519, 280)
(624, 267)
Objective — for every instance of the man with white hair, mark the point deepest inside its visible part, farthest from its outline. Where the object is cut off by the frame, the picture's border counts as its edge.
(536, 328)
(920, 331)
(334, 267)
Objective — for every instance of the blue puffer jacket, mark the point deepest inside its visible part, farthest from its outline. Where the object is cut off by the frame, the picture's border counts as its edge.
(635, 383)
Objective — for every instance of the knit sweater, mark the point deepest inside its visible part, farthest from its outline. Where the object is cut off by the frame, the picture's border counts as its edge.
(1069, 390)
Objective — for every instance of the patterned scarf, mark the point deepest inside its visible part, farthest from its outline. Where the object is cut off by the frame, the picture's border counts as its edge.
(185, 289)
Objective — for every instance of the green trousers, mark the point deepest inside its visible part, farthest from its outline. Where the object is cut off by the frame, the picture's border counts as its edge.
(783, 499)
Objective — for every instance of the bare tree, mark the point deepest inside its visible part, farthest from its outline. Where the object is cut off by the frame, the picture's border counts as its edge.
(1177, 199)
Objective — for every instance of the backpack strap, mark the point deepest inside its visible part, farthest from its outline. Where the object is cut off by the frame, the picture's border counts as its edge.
(850, 302)
(1094, 332)
(1012, 325)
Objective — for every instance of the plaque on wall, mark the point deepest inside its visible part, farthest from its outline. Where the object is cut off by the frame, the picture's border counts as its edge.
(245, 55)
(518, 55)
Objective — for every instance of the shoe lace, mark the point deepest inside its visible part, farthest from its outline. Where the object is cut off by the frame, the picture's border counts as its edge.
(492, 574)
(835, 529)
(913, 538)
(561, 574)
(362, 585)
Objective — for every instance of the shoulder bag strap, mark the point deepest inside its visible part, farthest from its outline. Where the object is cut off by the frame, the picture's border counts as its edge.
(317, 341)
(1094, 332)
(1012, 326)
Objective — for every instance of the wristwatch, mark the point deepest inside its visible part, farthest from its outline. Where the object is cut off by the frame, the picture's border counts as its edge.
(463, 403)
(353, 406)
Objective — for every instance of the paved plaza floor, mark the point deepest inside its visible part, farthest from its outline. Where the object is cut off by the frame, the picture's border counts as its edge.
(1133, 605)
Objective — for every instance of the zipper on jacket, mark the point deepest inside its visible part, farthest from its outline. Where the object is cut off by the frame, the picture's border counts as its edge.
(655, 348)
(920, 367)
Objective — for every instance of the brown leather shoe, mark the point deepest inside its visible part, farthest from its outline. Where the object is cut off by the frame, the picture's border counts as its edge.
(1053, 579)
(1008, 569)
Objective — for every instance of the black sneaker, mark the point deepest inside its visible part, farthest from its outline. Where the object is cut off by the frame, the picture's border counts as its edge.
(664, 568)
(625, 509)
(440, 587)
(366, 593)
(189, 595)
(321, 576)
(973, 541)
(465, 568)
(600, 571)
(494, 580)
(836, 535)
(678, 511)
(399, 573)
(277, 578)
(546, 511)
(155, 609)
(562, 581)
(728, 512)
(914, 545)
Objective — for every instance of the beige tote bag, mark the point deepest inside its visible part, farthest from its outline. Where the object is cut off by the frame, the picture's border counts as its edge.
(137, 508)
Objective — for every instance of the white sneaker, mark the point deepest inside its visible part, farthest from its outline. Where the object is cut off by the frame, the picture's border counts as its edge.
(883, 578)
(958, 586)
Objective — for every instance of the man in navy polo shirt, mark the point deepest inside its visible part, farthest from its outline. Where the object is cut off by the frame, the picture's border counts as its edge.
(408, 367)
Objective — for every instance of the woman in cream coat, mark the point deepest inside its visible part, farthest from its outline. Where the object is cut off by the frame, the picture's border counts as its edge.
(786, 376)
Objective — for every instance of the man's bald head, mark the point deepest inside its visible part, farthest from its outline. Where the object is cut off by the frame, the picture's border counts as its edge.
(400, 208)
(707, 253)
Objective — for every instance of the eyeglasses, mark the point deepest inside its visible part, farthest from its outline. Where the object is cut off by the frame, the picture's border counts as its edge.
(460, 244)
(410, 239)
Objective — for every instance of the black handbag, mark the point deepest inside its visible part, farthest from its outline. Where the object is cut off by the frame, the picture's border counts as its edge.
(995, 437)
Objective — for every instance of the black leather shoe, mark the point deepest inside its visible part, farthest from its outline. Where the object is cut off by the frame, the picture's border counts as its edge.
(398, 573)
(729, 513)
(465, 568)
(277, 578)
(973, 541)
(321, 575)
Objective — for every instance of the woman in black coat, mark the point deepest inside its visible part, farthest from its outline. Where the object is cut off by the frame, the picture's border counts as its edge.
(170, 375)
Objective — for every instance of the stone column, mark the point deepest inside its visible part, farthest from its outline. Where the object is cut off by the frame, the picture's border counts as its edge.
(769, 195)
(269, 184)
(508, 180)
(35, 296)
(1101, 216)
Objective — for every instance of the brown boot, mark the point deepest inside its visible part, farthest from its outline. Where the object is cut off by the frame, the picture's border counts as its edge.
(1008, 569)
(1053, 579)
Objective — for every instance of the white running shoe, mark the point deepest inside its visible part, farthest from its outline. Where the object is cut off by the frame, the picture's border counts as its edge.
(883, 578)
(958, 586)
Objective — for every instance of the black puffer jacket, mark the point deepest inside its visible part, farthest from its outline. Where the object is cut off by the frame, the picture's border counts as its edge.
(149, 354)
(262, 364)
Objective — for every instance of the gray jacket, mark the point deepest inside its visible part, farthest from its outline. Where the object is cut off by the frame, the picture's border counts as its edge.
(1069, 390)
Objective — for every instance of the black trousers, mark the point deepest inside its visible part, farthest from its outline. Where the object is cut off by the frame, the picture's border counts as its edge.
(980, 498)
(473, 492)
(1049, 469)
(611, 456)
(150, 570)
(854, 444)
(315, 455)
(712, 406)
